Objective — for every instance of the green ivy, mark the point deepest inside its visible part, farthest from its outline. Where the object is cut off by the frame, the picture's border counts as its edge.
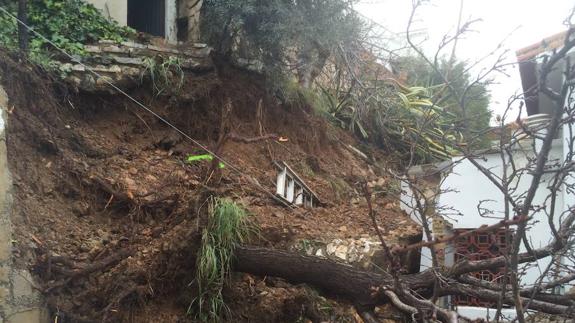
(69, 24)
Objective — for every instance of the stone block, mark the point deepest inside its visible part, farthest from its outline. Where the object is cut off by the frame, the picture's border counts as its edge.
(78, 68)
(92, 49)
(22, 284)
(115, 49)
(33, 315)
(106, 41)
(128, 60)
(163, 49)
(104, 69)
(5, 235)
(4, 295)
(4, 274)
(133, 45)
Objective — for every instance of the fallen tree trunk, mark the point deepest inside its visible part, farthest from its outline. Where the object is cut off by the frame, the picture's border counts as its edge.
(332, 277)
(356, 285)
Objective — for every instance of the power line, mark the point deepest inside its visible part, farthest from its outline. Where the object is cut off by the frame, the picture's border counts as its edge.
(252, 180)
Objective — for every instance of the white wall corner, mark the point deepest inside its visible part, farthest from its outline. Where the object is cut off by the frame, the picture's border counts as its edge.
(171, 21)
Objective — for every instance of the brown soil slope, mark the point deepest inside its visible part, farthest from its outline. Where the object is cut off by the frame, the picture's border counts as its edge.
(108, 213)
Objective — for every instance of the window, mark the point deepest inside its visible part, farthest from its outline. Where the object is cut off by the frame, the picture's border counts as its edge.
(292, 189)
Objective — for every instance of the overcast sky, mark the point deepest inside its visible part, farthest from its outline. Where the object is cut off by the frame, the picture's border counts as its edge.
(522, 22)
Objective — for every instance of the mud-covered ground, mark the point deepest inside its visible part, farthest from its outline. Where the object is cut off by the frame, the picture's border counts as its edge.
(109, 215)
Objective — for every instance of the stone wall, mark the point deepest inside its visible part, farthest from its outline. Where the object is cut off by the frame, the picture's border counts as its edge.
(124, 64)
(19, 301)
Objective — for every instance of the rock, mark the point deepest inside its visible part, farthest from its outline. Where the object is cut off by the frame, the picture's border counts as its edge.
(133, 171)
(92, 49)
(330, 248)
(341, 252)
(163, 49)
(353, 255)
(343, 228)
(104, 80)
(128, 60)
(103, 69)
(78, 68)
(133, 45)
(106, 41)
(114, 49)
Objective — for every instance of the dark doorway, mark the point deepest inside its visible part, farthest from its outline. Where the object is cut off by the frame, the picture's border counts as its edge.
(148, 16)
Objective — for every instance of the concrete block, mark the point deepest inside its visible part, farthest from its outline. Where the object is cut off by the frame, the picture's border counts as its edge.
(22, 284)
(4, 275)
(128, 60)
(5, 235)
(33, 315)
(4, 295)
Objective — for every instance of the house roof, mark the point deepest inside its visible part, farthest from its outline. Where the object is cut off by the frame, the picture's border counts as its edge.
(545, 45)
(528, 67)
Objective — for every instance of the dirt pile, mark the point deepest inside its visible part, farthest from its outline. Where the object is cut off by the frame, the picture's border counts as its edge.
(109, 213)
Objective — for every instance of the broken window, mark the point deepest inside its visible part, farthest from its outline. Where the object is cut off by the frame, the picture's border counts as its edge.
(292, 189)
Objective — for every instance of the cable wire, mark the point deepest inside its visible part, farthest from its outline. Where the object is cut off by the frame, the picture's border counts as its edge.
(252, 180)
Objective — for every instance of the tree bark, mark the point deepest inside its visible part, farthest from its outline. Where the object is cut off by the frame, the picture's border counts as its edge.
(362, 288)
(334, 278)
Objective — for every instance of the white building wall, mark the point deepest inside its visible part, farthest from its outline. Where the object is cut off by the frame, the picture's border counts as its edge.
(465, 187)
(171, 26)
(116, 10)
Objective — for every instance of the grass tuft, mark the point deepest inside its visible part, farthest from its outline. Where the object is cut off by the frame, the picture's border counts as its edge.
(227, 227)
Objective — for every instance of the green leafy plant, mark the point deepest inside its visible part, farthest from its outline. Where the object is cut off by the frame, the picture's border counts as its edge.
(166, 74)
(400, 119)
(227, 227)
(69, 24)
(275, 32)
(476, 119)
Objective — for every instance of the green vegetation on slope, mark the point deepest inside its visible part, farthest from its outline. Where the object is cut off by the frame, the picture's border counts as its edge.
(227, 227)
(67, 23)
(285, 36)
(475, 121)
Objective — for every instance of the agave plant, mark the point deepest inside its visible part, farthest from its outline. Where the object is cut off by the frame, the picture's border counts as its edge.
(401, 119)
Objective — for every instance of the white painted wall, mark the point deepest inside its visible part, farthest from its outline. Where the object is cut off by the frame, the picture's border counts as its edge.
(113, 9)
(472, 187)
(171, 26)
(465, 187)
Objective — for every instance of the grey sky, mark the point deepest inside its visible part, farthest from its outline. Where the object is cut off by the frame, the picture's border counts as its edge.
(522, 22)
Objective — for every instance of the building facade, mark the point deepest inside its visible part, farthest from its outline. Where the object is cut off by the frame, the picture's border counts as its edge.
(468, 199)
(175, 20)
